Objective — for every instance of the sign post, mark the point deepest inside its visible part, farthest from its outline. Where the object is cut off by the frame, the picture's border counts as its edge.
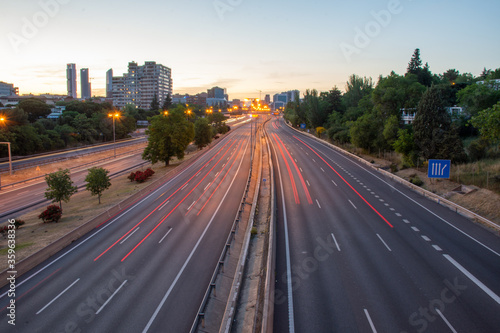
(439, 169)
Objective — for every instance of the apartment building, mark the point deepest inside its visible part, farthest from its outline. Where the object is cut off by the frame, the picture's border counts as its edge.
(140, 84)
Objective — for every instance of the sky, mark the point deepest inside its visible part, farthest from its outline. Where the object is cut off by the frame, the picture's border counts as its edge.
(249, 47)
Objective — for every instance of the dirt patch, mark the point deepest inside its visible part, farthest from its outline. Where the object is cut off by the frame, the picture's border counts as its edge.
(480, 201)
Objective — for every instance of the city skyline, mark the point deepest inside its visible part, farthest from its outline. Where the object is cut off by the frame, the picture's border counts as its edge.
(244, 46)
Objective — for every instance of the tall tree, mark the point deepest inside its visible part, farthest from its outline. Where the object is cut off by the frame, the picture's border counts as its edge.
(415, 64)
(356, 88)
(169, 136)
(488, 123)
(35, 108)
(167, 103)
(60, 186)
(155, 104)
(202, 132)
(434, 136)
(97, 181)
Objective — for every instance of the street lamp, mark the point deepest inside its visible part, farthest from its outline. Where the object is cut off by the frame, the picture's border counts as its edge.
(2, 119)
(114, 115)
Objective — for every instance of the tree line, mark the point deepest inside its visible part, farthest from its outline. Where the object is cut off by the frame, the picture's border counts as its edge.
(369, 115)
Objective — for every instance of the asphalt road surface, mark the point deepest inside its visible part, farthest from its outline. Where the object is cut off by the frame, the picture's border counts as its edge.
(359, 253)
(146, 269)
(15, 201)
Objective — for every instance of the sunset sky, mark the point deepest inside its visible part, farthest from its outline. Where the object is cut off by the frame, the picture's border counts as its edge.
(242, 45)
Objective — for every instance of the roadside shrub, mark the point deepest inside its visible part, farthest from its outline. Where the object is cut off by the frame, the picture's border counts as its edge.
(53, 213)
(131, 177)
(140, 176)
(415, 180)
(18, 223)
(149, 172)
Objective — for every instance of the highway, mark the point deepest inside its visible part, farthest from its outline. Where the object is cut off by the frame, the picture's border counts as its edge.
(146, 269)
(14, 201)
(357, 252)
(23, 162)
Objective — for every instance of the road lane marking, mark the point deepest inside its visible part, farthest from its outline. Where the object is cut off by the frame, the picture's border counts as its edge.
(427, 239)
(207, 186)
(481, 285)
(318, 203)
(110, 297)
(415, 229)
(191, 205)
(437, 248)
(123, 241)
(335, 240)
(387, 246)
(60, 294)
(291, 323)
(322, 169)
(406, 221)
(352, 204)
(198, 174)
(334, 183)
(163, 205)
(398, 215)
(445, 320)
(370, 321)
(308, 183)
(184, 186)
(161, 240)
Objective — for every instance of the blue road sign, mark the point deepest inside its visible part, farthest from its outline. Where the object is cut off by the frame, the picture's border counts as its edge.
(303, 126)
(439, 169)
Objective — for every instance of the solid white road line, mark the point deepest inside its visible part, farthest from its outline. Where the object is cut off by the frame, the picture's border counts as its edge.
(123, 241)
(291, 323)
(161, 240)
(60, 294)
(335, 240)
(388, 248)
(445, 320)
(473, 279)
(370, 321)
(110, 297)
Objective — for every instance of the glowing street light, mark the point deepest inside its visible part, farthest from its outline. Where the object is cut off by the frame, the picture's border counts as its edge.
(3, 120)
(114, 116)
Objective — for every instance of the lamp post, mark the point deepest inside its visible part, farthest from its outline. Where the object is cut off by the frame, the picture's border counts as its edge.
(114, 115)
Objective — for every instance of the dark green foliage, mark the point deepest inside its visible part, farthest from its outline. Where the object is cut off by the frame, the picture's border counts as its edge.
(202, 132)
(60, 187)
(35, 108)
(53, 213)
(97, 181)
(155, 104)
(169, 136)
(167, 103)
(434, 135)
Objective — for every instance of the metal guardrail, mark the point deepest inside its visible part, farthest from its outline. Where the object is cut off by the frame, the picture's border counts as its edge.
(434, 197)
